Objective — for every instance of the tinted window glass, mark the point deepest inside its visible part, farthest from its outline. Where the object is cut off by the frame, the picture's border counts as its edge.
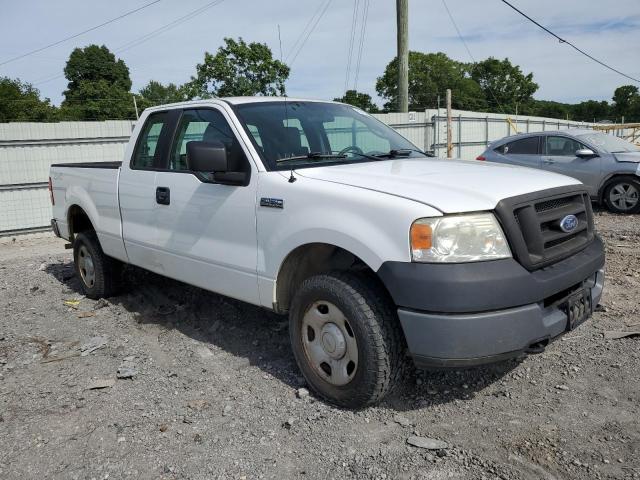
(562, 146)
(205, 125)
(146, 150)
(525, 146)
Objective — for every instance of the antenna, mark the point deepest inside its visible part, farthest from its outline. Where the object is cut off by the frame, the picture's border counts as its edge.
(286, 112)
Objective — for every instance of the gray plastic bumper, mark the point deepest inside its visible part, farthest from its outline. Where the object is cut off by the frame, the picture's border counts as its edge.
(458, 340)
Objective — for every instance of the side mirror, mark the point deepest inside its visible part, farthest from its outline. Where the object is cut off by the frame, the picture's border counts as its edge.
(585, 153)
(207, 157)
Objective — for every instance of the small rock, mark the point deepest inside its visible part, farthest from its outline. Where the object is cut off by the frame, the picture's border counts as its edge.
(101, 303)
(198, 405)
(92, 345)
(203, 352)
(197, 438)
(427, 443)
(226, 411)
(126, 372)
(288, 423)
(42, 267)
(402, 420)
(302, 393)
(164, 427)
(562, 387)
(34, 288)
(121, 439)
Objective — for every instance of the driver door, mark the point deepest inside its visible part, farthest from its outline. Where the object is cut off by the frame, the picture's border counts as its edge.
(206, 232)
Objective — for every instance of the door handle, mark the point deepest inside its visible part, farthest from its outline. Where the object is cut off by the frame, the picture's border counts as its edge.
(547, 161)
(163, 195)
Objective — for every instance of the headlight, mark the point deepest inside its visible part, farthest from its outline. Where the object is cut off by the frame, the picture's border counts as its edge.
(458, 238)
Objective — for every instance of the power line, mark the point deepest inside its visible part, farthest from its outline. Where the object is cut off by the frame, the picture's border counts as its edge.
(455, 25)
(363, 28)
(126, 14)
(562, 40)
(148, 36)
(352, 36)
(304, 30)
(313, 27)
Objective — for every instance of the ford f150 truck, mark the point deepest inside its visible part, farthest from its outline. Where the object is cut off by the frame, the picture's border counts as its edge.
(318, 210)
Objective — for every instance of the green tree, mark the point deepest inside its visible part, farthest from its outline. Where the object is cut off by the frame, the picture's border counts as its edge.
(503, 84)
(155, 93)
(239, 68)
(430, 74)
(589, 110)
(99, 86)
(358, 99)
(21, 102)
(626, 102)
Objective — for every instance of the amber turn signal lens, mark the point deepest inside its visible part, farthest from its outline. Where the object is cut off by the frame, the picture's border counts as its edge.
(421, 236)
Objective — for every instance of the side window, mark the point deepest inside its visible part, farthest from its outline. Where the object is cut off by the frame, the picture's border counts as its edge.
(525, 146)
(146, 149)
(205, 125)
(562, 146)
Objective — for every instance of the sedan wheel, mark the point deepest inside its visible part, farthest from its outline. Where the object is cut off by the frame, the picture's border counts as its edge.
(623, 196)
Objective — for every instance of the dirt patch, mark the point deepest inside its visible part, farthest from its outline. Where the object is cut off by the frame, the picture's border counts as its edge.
(182, 383)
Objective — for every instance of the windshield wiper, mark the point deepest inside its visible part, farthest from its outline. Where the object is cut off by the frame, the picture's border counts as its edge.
(311, 156)
(402, 152)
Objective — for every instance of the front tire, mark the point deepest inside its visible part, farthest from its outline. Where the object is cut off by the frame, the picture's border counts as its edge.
(622, 195)
(98, 273)
(346, 338)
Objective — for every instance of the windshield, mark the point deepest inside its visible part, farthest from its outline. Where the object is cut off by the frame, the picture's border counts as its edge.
(609, 143)
(305, 134)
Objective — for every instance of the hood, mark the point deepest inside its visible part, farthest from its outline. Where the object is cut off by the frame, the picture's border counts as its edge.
(451, 186)
(633, 157)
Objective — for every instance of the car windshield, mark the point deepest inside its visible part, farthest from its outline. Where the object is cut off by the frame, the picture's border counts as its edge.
(609, 143)
(296, 134)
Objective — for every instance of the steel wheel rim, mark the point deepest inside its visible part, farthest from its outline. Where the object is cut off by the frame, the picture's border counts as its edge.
(329, 343)
(86, 267)
(624, 196)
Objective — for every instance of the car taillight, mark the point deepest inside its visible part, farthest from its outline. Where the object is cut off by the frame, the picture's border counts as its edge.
(53, 202)
(480, 157)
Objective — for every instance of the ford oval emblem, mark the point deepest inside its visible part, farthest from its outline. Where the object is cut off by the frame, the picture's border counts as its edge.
(569, 223)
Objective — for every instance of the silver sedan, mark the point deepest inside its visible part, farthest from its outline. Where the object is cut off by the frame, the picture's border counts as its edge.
(608, 166)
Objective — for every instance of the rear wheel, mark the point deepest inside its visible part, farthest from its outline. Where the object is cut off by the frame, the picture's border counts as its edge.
(346, 338)
(98, 273)
(622, 195)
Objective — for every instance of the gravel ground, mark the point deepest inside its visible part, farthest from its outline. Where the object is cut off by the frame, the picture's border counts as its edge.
(213, 391)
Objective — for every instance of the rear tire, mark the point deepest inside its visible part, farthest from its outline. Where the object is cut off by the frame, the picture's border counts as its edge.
(98, 274)
(622, 195)
(346, 338)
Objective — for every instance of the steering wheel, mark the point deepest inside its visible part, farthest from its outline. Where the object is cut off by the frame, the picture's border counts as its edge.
(351, 148)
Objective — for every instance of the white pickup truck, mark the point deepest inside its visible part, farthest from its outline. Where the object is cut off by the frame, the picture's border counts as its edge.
(318, 210)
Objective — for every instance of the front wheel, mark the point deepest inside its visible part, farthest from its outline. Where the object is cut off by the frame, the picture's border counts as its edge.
(346, 338)
(98, 273)
(622, 195)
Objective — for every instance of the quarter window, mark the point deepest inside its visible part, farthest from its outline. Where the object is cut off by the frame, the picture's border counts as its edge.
(147, 150)
(525, 146)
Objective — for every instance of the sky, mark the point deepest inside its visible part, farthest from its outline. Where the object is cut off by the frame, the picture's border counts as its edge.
(609, 31)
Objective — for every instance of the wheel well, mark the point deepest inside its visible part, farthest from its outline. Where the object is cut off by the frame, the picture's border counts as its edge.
(78, 221)
(612, 179)
(312, 259)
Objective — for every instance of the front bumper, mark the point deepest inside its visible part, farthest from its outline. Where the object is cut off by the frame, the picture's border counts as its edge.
(470, 314)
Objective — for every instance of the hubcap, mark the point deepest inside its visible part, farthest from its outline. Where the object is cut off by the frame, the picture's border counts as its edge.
(85, 265)
(624, 196)
(329, 343)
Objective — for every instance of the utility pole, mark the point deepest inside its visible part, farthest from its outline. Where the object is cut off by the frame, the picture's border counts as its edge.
(402, 16)
(449, 134)
(135, 105)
